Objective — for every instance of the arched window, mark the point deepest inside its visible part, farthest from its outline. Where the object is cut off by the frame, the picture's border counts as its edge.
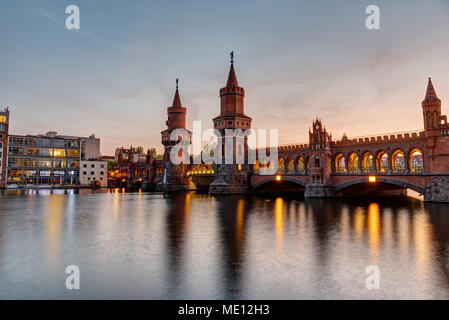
(398, 161)
(353, 163)
(317, 162)
(281, 165)
(300, 165)
(382, 162)
(429, 120)
(436, 120)
(416, 164)
(340, 164)
(367, 162)
(290, 166)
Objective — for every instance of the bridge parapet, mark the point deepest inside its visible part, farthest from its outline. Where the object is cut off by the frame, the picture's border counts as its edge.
(382, 138)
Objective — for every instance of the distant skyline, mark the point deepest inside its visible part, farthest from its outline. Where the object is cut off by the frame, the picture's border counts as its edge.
(297, 60)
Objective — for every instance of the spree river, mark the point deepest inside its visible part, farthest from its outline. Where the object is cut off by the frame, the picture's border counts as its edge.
(193, 246)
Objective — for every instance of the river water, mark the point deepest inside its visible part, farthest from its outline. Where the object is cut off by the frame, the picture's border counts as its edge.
(193, 246)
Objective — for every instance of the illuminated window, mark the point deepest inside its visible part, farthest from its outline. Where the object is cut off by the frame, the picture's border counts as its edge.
(367, 162)
(340, 163)
(57, 152)
(398, 161)
(353, 163)
(382, 162)
(281, 165)
(300, 165)
(2, 118)
(416, 161)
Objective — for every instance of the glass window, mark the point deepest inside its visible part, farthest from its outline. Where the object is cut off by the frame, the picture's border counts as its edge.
(73, 153)
(57, 152)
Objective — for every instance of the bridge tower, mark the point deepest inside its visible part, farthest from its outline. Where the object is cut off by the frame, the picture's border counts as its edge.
(174, 176)
(319, 162)
(431, 107)
(231, 177)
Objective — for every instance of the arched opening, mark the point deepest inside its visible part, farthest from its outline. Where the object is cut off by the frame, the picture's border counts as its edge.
(367, 162)
(436, 120)
(429, 120)
(416, 163)
(281, 165)
(300, 165)
(398, 161)
(317, 162)
(290, 166)
(353, 163)
(340, 164)
(382, 162)
(256, 167)
(306, 165)
(383, 186)
(286, 184)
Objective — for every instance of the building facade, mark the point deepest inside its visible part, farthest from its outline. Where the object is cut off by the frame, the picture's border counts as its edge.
(49, 159)
(4, 128)
(94, 173)
(134, 170)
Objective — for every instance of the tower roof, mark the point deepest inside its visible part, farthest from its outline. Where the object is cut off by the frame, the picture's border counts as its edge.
(430, 92)
(232, 78)
(177, 99)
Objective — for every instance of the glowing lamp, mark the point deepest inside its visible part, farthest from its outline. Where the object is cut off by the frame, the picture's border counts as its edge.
(278, 178)
(372, 179)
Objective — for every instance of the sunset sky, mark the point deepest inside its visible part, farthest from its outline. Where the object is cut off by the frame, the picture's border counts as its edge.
(297, 60)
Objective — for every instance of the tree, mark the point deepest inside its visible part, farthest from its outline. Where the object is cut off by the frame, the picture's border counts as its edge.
(153, 152)
(138, 149)
(111, 164)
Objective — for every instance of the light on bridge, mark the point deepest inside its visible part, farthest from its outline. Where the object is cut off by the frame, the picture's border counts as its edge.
(372, 179)
(278, 178)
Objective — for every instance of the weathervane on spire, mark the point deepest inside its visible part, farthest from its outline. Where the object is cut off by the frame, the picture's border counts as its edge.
(232, 57)
(177, 82)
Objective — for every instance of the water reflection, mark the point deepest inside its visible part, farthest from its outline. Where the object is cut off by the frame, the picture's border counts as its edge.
(187, 245)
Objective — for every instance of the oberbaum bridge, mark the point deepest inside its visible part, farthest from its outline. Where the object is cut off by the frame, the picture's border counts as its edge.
(380, 164)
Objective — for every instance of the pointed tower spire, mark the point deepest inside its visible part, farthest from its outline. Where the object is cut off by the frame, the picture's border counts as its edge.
(177, 99)
(232, 79)
(430, 92)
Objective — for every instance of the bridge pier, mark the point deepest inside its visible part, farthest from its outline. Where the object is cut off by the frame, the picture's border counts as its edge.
(318, 190)
(437, 190)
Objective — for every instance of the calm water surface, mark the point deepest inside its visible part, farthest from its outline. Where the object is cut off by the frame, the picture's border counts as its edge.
(147, 246)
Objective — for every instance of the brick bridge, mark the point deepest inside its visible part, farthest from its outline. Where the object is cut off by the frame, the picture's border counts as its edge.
(323, 167)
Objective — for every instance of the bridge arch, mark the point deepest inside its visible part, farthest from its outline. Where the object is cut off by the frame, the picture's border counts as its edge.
(339, 163)
(290, 165)
(367, 162)
(415, 160)
(399, 160)
(353, 162)
(281, 165)
(273, 179)
(300, 165)
(395, 182)
(382, 161)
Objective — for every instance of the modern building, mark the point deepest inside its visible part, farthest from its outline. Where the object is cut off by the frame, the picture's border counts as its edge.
(94, 173)
(4, 127)
(49, 159)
